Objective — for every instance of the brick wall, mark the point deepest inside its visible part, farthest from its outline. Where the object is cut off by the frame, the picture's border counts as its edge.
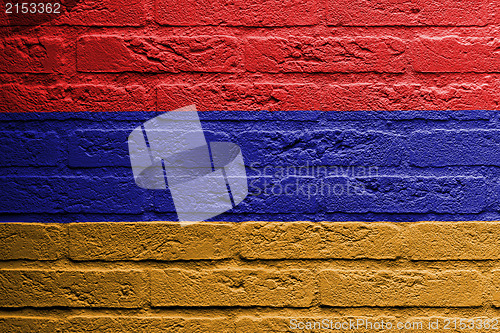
(301, 165)
(252, 55)
(113, 56)
(244, 277)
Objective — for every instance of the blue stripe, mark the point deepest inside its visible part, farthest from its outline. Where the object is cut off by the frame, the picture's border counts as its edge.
(342, 166)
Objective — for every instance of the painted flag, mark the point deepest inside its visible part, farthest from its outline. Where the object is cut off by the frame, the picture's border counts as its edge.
(299, 165)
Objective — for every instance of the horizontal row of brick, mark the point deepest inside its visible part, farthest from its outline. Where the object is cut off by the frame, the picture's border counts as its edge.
(82, 187)
(227, 54)
(274, 13)
(243, 287)
(246, 287)
(376, 194)
(250, 96)
(242, 323)
(168, 241)
(345, 97)
(92, 148)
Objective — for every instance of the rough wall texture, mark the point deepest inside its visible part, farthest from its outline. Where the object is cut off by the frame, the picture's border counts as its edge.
(157, 55)
(118, 55)
(301, 165)
(245, 277)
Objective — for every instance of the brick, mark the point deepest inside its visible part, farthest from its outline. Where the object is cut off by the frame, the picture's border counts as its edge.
(495, 293)
(98, 148)
(88, 288)
(74, 97)
(105, 13)
(112, 324)
(439, 148)
(393, 194)
(31, 55)
(452, 241)
(240, 96)
(120, 324)
(330, 147)
(151, 241)
(285, 195)
(153, 55)
(255, 13)
(401, 288)
(232, 287)
(453, 54)
(325, 54)
(70, 195)
(406, 96)
(18, 324)
(325, 240)
(83, 13)
(459, 96)
(29, 148)
(368, 96)
(409, 13)
(32, 241)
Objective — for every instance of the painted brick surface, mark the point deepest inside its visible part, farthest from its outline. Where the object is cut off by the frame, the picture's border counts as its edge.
(98, 241)
(404, 194)
(452, 241)
(77, 97)
(153, 55)
(105, 13)
(381, 96)
(405, 288)
(33, 241)
(82, 152)
(242, 97)
(444, 148)
(234, 287)
(291, 287)
(73, 86)
(31, 324)
(75, 194)
(496, 292)
(410, 13)
(82, 288)
(327, 240)
(29, 148)
(153, 324)
(31, 55)
(150, 240)
(301, 165)
(325, 55)
(253, 13)
(323, 147)
(455, 54)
